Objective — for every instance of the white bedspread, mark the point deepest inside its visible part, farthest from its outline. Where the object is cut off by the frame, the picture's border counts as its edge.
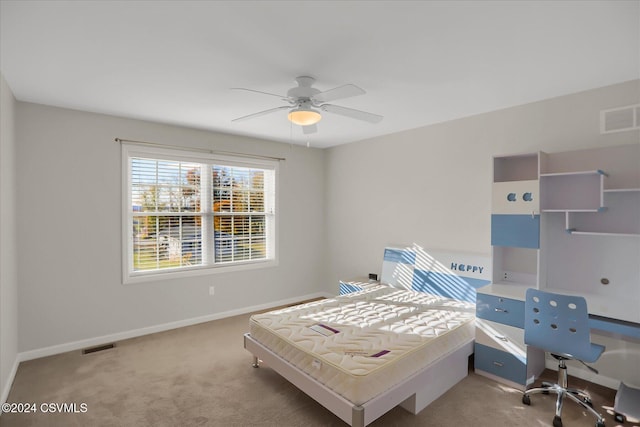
(362, 343)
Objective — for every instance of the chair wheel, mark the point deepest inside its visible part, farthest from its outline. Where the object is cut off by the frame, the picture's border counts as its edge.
(557, 421)
(526, 399)
(599, 423)
(620, 418)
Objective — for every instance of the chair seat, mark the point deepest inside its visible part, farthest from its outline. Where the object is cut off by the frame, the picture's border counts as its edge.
(590, 356)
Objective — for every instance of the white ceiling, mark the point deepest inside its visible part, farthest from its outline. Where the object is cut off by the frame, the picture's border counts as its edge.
(420, 62)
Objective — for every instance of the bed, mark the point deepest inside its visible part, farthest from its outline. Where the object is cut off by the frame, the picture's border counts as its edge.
(363, 353)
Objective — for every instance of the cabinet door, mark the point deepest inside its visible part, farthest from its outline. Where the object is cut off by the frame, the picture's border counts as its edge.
(521, 231)
(515, 197)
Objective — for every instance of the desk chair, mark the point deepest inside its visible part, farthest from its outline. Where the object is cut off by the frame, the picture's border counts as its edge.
(559, 324)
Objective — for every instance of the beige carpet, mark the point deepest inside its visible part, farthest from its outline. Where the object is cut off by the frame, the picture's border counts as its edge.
(202, 376)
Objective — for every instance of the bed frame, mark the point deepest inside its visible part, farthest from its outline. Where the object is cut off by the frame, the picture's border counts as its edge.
(454, 275)
(413, 394)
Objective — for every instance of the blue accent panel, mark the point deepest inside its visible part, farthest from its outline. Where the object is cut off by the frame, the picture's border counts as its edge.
(628, 329)
(502, 310)
(522, 231)
(447, 285)
(500, 363)
(399, 255)
(346, 288)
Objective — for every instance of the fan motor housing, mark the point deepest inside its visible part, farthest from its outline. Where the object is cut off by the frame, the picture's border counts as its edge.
(304, 89)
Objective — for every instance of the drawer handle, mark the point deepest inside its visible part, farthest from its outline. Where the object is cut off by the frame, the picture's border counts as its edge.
(498, 364)
(501, 310)
(505, 339)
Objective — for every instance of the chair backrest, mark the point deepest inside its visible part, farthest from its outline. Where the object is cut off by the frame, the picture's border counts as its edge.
(558, 324)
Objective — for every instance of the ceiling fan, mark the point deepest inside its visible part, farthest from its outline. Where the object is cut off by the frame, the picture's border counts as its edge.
(304, 101)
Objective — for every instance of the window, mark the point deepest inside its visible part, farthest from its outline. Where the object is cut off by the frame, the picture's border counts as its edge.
(193, 213)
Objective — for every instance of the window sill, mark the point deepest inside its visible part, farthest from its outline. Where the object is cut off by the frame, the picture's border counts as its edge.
(140, 277)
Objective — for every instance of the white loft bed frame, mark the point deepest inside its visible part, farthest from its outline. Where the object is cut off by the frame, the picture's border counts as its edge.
(413, 394)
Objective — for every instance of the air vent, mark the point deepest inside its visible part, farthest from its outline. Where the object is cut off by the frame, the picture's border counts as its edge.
(96, 349)
(620, 119)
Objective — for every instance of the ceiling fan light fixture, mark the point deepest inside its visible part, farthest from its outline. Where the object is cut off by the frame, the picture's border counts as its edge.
(304, 117)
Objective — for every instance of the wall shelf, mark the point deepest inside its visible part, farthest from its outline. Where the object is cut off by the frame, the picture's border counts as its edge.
(575, 210)
(620, 217)
(572, 191)
(590, 172)
(598, 233)
(622, 190)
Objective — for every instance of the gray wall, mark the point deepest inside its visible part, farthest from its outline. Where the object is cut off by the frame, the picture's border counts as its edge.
(432, 186)
(8, 259)
(69, 228)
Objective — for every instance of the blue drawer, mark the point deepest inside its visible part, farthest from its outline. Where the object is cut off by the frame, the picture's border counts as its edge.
(520, 231)
(499, 309)
(500, 363)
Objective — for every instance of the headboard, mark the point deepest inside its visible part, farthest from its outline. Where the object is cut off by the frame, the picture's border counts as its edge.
(454, 275)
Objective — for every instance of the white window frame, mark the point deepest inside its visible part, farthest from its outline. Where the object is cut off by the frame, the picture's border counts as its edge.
(130, 151)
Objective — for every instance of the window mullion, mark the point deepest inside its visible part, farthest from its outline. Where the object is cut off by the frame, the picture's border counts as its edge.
(206, 208)
(156, 253)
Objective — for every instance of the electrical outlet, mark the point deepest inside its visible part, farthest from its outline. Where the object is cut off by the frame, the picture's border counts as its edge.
(212, 290)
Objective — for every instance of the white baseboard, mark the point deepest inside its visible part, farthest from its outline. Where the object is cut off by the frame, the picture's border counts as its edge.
(92, 342)
(7, 386)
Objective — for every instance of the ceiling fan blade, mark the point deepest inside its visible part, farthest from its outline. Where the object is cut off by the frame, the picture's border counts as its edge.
(283, 97)
(309, 129)
(350, 112)
(344, 91)
(261, 113)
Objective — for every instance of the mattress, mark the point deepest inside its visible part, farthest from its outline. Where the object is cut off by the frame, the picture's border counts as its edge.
(363, 343)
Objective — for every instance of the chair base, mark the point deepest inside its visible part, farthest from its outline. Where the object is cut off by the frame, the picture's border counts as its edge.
(581, 397)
